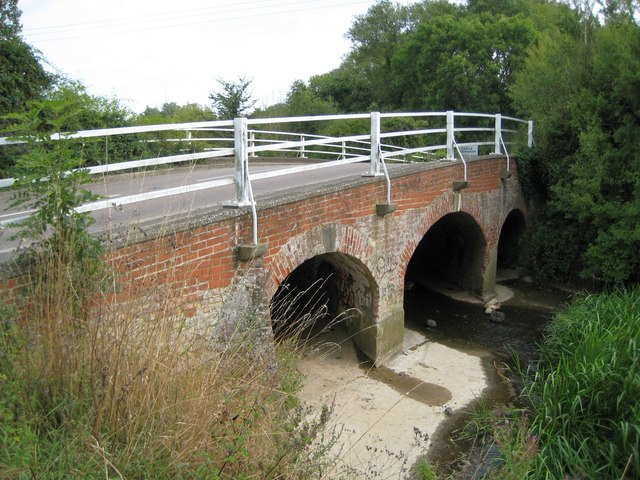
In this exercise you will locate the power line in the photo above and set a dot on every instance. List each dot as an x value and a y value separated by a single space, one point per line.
182 13
127 25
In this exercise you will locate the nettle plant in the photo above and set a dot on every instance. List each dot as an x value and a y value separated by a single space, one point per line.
50 181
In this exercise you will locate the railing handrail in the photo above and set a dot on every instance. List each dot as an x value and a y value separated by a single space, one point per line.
210 124
349 148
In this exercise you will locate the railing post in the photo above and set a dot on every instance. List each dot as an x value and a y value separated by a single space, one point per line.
374 169
301 149
450 135
252 141
241 144
530 134
498 137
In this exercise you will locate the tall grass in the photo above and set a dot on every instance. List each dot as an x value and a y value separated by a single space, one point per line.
586 393
582 419
92 389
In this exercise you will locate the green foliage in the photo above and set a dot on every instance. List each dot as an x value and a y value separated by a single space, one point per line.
10 26
504 447
346 87
173 113
17 434
22 77
92 388
375 36
49 174
233 99
156 144
302 101
585 100
461 62
49 179
83 112
585 392
425 470
498 7
431 55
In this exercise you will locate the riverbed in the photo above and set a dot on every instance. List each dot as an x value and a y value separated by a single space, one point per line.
384 420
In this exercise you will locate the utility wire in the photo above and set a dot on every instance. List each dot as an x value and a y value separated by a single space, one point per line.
173 14
125 25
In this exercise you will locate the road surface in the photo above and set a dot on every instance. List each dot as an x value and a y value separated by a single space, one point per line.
116 186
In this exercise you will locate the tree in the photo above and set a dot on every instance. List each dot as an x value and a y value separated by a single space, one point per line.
10 26
461 62
615 9
374 37
302 101
173 113
233 99
88 112
585 99
498 7
22 77
346 87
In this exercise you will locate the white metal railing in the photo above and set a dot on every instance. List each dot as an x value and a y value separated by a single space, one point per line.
437 131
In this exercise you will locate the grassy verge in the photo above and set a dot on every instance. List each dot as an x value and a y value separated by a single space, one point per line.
90 388
586 393
582 415
131 391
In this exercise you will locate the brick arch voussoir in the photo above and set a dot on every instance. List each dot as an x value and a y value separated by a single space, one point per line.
323 239
519 205
431 214
435 212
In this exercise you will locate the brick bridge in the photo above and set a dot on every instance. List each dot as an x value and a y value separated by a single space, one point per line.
334 240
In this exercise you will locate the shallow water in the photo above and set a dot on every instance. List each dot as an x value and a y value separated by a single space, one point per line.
391 415
465 327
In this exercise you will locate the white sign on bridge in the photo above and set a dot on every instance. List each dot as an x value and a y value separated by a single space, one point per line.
469 149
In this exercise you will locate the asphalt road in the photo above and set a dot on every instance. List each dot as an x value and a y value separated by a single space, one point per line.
116 186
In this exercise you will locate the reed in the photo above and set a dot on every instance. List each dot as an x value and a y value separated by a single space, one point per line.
585 393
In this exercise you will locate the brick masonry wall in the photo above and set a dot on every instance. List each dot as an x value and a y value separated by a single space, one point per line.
201 261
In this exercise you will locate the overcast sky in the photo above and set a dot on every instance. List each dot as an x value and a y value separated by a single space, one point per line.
147 52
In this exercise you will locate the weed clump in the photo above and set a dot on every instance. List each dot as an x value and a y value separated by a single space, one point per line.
91 387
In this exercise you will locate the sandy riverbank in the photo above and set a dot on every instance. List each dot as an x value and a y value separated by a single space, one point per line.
388 415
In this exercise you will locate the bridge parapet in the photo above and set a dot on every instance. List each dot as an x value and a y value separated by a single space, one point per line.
339 225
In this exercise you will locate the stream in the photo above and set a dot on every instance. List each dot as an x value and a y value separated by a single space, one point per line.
385 419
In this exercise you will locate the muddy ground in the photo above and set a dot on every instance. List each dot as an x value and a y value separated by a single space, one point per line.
386 419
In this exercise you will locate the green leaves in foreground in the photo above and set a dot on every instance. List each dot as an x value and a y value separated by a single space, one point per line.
51 182
586 393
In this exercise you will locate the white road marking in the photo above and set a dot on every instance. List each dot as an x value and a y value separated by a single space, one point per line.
24 212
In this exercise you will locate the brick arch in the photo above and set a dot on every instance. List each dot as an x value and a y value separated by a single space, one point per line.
438 209
473 251
350 290
512 228
326 238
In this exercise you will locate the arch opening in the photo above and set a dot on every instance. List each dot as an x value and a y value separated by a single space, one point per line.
327 291
510 242
451 254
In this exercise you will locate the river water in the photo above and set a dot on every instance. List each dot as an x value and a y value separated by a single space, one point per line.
384 420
